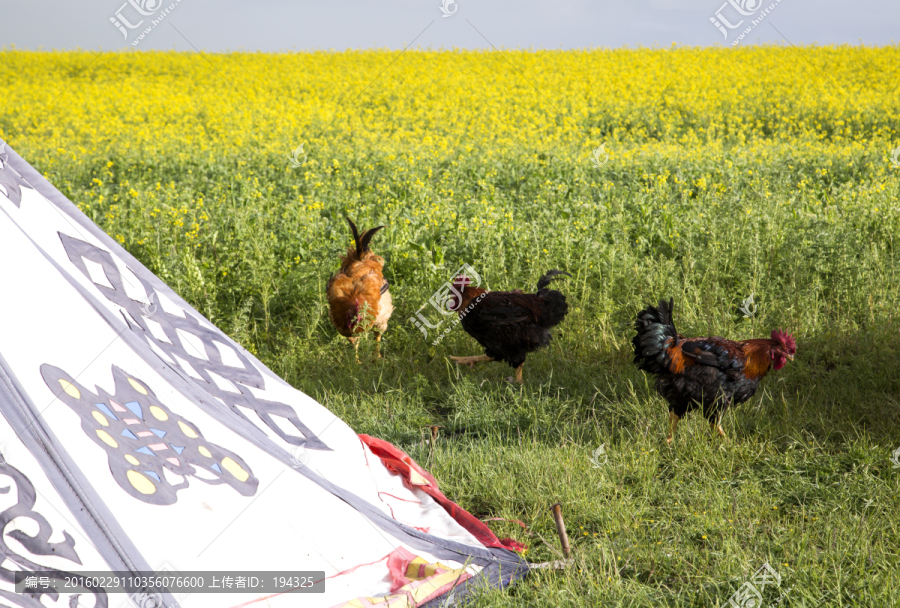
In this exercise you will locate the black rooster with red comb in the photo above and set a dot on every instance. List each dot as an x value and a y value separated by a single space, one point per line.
712 373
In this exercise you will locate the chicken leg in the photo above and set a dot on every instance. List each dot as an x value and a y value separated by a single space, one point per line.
355 343
673 422
716 425
471 361
518 377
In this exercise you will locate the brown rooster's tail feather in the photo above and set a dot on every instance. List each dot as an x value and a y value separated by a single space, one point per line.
355 234
362 240
366 238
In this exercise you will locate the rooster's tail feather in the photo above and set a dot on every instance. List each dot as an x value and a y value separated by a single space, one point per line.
362 240
554 307
544 281
655 334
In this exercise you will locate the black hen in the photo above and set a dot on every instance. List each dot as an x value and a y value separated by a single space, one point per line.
509 324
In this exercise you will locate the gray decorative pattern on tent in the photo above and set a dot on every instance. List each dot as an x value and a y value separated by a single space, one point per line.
501 566
10 180
39 544
142 437
246 375
85 505
413 537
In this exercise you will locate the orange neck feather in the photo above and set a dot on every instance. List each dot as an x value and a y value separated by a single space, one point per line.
469 294
677 358
759 358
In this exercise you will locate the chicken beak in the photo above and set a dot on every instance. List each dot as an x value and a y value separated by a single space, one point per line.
791 357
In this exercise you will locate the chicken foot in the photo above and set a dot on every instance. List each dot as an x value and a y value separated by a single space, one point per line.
355 343
471 361
673 422
518 377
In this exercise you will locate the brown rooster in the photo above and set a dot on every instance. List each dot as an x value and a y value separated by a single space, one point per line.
358 296
713 373
509 324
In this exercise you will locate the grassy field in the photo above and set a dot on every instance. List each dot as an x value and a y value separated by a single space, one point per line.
762 170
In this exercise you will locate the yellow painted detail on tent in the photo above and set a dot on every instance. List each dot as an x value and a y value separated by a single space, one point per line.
137 386
141 483
204 451
188 430
427 579
417 479
419 568
100 418
70 389
131 459
235 469
105 438
432 583
412 570
158 413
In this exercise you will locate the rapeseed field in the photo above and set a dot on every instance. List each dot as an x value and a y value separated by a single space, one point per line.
706 175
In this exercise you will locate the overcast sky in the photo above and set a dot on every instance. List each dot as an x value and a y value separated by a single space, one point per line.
276 25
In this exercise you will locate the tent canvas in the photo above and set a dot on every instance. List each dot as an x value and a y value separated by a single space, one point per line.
137 435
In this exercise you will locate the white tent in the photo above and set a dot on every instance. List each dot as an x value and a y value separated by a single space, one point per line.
137 436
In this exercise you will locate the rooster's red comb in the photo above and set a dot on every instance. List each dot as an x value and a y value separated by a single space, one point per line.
786 339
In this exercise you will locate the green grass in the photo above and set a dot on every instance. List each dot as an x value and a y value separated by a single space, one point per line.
804 481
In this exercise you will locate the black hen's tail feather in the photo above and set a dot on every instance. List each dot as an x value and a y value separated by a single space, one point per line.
544 281
362 240
554 306
655 328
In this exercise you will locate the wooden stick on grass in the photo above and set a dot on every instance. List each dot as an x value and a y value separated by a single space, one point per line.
561 529
434 435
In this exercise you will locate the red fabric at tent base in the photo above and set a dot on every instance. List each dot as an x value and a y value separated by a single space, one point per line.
399 461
